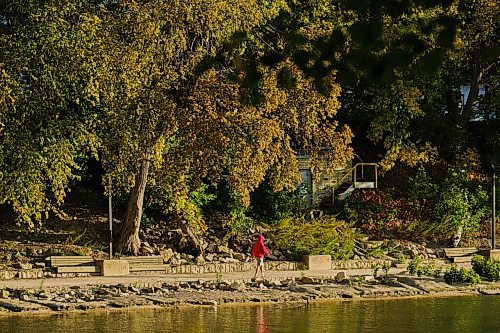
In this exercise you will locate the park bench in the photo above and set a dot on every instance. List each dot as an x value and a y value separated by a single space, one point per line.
146 263
72 264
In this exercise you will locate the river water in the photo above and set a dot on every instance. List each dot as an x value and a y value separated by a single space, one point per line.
478 314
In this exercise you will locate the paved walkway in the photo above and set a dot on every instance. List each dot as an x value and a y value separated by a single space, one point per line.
102 280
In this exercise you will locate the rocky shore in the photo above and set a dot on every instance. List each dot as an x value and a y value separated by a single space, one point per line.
216 292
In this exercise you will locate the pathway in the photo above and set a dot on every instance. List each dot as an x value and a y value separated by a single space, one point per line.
151 278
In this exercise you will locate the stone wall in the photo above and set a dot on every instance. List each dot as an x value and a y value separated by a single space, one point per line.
358 264
367 264
182 269
234 267
217 268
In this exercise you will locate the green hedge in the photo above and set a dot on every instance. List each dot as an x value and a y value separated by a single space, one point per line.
327 235
488 268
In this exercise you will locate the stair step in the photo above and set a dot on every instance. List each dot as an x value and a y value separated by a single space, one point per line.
365 184
77 269
346 193
459 251
461 259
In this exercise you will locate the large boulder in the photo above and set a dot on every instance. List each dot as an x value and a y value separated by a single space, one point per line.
21 265
223 249
146 249
239 256
167 254
4 293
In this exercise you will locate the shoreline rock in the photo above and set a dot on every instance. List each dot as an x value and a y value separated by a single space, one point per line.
225 292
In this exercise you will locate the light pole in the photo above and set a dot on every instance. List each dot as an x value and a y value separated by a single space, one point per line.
110 210
493 212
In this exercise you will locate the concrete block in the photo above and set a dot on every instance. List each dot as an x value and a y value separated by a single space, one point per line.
318 261
113 267
491 254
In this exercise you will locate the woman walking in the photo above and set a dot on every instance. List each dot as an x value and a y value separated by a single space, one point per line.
259 251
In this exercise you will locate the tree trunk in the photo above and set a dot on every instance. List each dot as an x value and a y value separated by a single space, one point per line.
452 103
477 75
194 239
129 241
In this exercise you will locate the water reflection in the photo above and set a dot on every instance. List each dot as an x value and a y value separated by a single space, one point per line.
260 322
459 314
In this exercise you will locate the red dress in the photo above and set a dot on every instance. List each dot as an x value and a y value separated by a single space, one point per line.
259 249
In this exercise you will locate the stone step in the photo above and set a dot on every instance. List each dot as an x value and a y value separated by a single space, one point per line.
57 261
459 251
456 260
146 260
77 269
365 185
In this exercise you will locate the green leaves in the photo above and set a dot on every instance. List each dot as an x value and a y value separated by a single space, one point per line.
298 237
45 54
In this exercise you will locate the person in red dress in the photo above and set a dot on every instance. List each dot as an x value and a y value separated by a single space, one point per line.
259 251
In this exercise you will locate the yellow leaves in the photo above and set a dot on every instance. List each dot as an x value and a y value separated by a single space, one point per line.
254 141
409 154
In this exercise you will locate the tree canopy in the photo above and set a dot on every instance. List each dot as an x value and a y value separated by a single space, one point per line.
170 95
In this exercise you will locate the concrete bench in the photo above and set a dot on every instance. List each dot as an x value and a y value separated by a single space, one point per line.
58 261
147 263
459 251
72 264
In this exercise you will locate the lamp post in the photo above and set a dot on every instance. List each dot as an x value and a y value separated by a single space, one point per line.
110 213
493 212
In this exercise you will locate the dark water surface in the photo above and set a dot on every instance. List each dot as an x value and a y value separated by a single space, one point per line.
478 314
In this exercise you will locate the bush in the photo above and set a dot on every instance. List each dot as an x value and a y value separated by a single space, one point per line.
492 270
421 186
415 268
478 263
487 268
422 208
298 236
462 275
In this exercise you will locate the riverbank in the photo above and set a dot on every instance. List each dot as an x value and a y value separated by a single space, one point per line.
46 296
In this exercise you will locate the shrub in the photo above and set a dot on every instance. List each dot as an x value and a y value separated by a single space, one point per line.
421 186
478 263
492 270
375 268
420 207
385 267
462 275
401 258
462 208
414 266
426 270
327 235
487 268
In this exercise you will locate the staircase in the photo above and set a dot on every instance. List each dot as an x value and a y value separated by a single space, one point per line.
360 176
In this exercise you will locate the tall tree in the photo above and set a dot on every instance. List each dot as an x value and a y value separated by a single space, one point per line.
374 49
148 71
46 97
